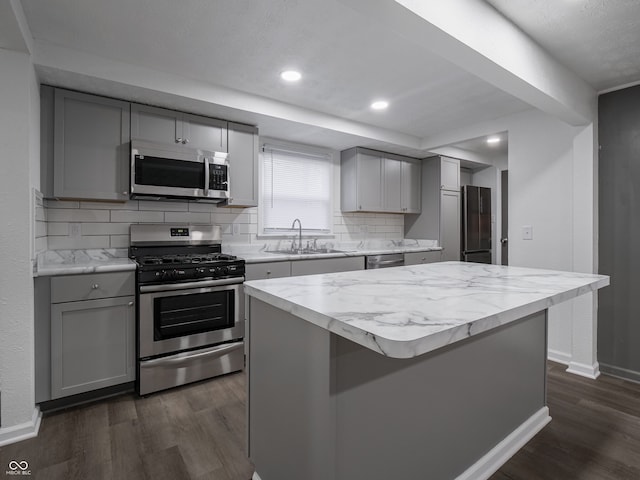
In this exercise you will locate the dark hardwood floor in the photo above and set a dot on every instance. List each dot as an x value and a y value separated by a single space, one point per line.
198 432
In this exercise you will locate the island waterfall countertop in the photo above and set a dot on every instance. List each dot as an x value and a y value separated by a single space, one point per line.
404 312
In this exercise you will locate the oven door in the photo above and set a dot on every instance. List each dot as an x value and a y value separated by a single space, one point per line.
183 316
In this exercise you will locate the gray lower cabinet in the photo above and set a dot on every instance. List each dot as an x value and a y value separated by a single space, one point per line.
263 271
417 258
162 125
326 265
84 333
243 165
89 135
92 345
450 211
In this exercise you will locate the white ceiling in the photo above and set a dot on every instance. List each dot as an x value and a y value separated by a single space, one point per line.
597 39
346 61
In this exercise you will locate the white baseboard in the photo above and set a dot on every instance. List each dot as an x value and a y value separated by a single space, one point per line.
498 455
22 431
618 372
559 357
584 370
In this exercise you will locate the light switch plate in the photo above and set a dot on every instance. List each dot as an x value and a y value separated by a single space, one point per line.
527 232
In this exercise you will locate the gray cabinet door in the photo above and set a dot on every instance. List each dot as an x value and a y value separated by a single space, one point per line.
91 147
411 186
417 258
263 271
155 124
243 165
326 265
392 185
450 174
92 345
204 133
369 183
450 225
161 125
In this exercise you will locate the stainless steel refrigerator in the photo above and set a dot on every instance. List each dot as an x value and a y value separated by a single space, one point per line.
476 224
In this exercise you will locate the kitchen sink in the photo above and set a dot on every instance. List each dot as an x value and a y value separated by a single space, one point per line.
306 252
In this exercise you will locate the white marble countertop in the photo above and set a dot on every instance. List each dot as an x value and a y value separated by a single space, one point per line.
403 312
70 262
264 253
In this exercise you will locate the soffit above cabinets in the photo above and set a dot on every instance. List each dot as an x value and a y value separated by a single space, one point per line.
237 50
597 39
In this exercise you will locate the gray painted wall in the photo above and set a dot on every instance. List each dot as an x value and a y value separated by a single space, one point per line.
619 231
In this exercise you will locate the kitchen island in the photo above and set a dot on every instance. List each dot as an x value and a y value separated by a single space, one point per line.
429 371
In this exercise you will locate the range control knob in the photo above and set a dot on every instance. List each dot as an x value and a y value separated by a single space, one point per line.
223 270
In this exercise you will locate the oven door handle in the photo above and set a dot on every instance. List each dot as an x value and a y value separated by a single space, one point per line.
188 357
186 285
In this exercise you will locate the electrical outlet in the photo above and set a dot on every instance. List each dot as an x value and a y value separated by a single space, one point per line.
527 232
75 230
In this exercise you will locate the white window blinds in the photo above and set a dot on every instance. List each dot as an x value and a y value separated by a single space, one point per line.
296 184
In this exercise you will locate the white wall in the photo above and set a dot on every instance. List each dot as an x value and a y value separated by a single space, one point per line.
19 152
542 182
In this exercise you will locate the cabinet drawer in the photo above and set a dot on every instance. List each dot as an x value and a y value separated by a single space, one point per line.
261 271
416 258
90 286
326 265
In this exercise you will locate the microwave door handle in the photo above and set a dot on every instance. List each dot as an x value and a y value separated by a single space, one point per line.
206 177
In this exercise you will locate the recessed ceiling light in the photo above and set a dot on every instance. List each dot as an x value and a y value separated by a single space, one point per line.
493 140
379 105
291 75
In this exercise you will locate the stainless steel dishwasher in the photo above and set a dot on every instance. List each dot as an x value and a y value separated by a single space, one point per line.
384 261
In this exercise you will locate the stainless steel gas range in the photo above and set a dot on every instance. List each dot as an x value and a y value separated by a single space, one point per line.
190 308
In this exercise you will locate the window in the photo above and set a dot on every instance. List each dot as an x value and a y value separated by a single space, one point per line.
296 183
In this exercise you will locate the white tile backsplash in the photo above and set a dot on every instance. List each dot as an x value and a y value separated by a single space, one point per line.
187 217
76 215
130 216
106 224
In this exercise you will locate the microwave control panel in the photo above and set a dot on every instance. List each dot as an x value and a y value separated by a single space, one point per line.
218 177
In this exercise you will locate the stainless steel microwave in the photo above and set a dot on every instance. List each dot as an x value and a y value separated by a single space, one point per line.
164 171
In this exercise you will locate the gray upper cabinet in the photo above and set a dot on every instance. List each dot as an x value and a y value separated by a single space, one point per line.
392 198
411 186
449 174
243 165
90 146
361 180
168 126
379 182
439 217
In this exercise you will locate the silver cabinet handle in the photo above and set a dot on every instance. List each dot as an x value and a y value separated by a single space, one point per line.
179 140
131 304
125 193
268 272
185 141
95 286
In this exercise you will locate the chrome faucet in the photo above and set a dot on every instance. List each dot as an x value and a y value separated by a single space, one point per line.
293 225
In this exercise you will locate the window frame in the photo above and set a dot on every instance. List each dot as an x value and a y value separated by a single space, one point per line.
309 150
